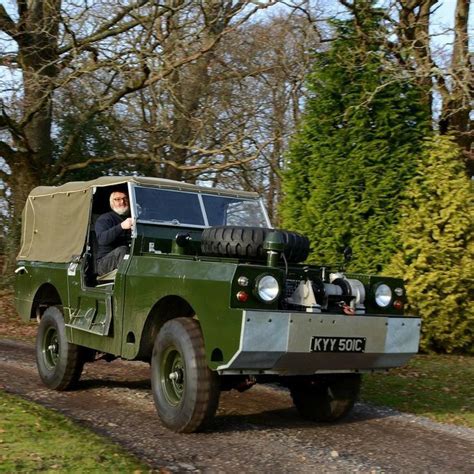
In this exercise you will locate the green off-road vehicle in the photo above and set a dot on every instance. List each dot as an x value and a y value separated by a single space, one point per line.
209 294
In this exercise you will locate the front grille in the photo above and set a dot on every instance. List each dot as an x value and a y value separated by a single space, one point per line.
290 288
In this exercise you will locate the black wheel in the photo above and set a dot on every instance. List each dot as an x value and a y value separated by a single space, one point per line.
326 398
185 391
247 242
59 362
297 246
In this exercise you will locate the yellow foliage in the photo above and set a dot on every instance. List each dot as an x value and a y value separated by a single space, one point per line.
437 248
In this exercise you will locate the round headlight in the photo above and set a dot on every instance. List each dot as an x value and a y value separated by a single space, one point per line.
383 295
268 288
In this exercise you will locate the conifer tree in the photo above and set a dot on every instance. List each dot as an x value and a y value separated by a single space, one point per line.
437 238
356 148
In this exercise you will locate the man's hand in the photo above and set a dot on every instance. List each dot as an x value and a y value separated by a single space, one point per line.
127 223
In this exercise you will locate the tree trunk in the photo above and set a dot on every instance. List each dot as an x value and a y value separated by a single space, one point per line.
22 180
38 53
189 86
414 23
456 108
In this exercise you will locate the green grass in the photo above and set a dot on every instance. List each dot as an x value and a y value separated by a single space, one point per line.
439 387
33 438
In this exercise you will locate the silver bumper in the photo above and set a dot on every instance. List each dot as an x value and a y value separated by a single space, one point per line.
280 343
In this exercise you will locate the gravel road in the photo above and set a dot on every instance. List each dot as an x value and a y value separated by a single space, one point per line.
254 432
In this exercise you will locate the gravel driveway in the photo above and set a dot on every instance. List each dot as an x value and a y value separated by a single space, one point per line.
254 432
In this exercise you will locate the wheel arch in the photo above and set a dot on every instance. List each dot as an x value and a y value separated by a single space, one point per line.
46 295
167 308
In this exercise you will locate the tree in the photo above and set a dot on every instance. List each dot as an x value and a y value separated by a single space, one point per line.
227 122
356 148
456 117
444 73
450 82
437 248
58 45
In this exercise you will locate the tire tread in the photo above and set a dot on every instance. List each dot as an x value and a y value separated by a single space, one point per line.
68 371
196 417
247 242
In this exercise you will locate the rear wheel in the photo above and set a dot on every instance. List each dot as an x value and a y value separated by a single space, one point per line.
185 391
326 398
59 362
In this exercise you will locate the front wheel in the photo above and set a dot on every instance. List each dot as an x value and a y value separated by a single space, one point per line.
59 362
326 397
185 391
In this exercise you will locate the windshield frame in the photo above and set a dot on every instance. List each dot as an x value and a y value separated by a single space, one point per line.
200 194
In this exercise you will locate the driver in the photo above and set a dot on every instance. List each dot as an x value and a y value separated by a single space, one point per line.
113 231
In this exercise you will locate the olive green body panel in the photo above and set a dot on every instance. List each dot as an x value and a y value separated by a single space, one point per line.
79 304
107 318
113 318
204 285
95 314
31 277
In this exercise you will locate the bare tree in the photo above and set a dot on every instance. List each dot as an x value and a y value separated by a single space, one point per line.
226 118
107 49
450 83
458 100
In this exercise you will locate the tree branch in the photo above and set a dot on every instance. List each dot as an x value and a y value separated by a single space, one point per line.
7 152
106 30
209 166
7 25
13 127
4 176
147 79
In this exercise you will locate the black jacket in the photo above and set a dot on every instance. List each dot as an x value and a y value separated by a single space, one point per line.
110 234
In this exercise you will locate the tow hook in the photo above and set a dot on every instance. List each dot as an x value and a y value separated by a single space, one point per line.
246 384
347 309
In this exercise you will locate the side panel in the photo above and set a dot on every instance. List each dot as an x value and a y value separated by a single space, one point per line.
204 285
96 314
30 276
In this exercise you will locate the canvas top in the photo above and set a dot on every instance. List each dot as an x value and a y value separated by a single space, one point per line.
84 186
56 218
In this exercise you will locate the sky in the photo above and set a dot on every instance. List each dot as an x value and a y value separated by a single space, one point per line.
443 22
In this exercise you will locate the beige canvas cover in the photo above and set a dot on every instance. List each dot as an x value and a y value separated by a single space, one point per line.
55 218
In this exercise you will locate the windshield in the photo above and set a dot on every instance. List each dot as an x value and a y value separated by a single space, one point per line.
222 210
171 207
192 209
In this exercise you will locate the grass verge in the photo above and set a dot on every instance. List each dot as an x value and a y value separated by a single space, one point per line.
33 439
440 387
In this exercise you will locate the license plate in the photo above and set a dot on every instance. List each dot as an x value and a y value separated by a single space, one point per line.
337 344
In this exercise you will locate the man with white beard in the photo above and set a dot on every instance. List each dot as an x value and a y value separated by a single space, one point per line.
113 231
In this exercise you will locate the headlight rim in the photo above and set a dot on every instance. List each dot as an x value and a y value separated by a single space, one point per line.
378 296
258 280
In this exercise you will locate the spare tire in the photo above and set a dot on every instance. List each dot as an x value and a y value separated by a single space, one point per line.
247 242
297 246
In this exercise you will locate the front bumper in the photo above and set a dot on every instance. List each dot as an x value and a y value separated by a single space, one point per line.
274 342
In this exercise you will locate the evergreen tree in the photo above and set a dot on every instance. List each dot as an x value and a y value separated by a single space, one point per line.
356 148
437 254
